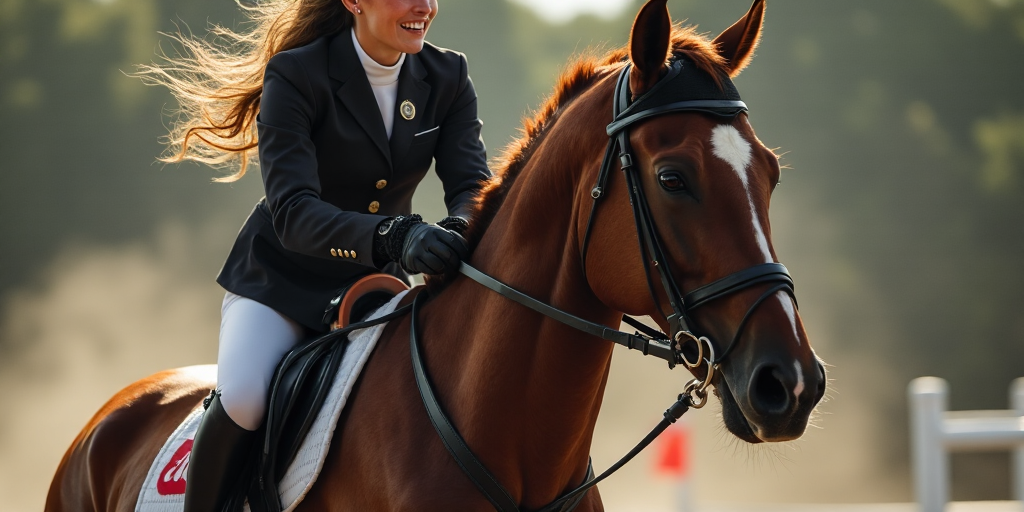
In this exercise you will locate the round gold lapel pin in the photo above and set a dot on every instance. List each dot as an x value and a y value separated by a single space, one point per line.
408 110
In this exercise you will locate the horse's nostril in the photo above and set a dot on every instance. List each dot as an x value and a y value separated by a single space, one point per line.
768 394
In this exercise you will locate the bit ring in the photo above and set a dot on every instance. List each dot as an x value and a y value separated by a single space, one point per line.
700 348
712 367
697 396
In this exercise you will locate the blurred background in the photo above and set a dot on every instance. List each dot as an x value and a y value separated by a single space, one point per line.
901 217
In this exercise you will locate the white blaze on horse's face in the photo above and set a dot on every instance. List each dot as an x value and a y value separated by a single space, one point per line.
729 145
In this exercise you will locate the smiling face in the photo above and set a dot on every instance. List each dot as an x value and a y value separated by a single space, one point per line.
388 28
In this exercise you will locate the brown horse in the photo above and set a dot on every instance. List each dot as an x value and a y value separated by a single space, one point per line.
525 390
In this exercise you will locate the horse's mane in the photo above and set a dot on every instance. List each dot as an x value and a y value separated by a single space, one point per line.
580 74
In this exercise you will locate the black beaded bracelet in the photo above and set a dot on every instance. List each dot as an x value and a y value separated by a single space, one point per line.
387 245
454 223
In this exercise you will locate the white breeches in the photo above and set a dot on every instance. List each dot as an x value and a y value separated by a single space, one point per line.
253 340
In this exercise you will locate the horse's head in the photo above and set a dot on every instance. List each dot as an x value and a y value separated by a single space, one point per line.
708 181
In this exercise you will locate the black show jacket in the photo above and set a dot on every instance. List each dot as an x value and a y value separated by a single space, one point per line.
325 157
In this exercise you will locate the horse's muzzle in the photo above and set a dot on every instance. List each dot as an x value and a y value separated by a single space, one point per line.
775 401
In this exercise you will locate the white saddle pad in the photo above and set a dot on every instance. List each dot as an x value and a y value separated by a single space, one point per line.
164 488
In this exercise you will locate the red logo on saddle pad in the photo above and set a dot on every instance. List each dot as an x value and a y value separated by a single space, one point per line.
172 477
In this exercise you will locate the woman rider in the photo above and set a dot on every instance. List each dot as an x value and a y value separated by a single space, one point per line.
352 107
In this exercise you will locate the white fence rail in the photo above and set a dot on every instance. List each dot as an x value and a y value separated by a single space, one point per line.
935 432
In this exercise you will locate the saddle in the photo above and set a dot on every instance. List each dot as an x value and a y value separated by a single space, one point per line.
300 386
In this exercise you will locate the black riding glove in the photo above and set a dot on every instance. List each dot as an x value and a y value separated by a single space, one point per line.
432 250
418 247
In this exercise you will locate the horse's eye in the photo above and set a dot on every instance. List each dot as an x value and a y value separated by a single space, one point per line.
671 181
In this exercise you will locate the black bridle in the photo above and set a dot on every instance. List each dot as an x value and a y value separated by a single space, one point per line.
651 248
650 341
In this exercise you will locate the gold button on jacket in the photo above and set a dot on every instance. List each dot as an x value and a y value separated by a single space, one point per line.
381 184
374 206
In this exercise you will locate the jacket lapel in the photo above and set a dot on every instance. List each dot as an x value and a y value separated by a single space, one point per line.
411 88
355 91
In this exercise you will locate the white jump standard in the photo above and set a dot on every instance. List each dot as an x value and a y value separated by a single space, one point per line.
934 432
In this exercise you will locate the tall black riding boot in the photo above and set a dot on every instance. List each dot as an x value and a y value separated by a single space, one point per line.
219 454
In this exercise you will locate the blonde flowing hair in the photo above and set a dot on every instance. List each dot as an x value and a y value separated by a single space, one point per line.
218 81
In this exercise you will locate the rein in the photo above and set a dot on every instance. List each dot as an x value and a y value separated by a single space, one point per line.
474 469
672 349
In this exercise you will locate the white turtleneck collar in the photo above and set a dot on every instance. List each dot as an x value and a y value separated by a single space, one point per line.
377 73
384 82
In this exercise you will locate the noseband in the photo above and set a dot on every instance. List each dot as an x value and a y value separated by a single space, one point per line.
683 89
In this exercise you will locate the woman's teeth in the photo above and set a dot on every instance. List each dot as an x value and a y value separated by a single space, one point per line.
415 25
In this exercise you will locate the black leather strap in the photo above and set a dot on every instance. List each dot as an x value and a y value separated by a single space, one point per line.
648 233
725 108
659 348
571 504
649 246
475 470
731 283
647 330
596 193
782 287
673 413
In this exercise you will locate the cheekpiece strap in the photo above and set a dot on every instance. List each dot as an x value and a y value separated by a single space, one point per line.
650 246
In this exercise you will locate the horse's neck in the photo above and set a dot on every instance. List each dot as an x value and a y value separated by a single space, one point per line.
524 389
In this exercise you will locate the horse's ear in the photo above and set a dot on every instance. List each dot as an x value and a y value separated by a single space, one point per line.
649 45
738 42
